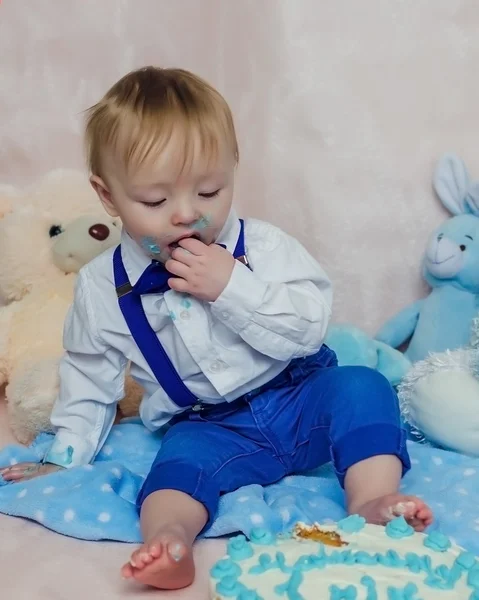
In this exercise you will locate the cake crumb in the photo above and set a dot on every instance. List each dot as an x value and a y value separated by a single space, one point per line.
316 534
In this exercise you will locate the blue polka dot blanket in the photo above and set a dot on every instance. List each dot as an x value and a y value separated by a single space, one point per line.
97 502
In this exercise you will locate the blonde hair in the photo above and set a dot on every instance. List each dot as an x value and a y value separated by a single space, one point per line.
140 113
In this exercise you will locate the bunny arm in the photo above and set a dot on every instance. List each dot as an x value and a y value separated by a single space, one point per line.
6 317
391 363
400 328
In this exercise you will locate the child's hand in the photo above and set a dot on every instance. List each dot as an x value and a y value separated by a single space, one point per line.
27 470
202 271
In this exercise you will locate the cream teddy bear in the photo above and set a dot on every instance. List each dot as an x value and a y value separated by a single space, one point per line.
47 233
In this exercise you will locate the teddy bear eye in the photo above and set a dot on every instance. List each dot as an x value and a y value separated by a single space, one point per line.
55 230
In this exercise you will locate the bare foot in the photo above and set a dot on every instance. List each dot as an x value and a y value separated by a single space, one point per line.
164 562
385 508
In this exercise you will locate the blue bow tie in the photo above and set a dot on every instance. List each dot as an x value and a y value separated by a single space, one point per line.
154 279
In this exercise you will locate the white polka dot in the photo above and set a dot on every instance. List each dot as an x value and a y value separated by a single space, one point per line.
437 460
440 504
138 524
48 490
106 487
256 519
118 433
116 472
13 461
288 480
427 479
104 517
39 516
328 521
69 515
107 450
22 494
458 514
476 521
476 527
463 492
243 499
313 504
414 461
469 472
88 467
285 514
78 485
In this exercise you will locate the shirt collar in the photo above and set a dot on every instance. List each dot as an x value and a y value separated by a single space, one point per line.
136 261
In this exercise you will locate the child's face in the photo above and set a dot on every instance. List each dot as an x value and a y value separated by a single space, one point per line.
163 203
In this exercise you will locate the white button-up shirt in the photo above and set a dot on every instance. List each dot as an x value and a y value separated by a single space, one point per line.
263 319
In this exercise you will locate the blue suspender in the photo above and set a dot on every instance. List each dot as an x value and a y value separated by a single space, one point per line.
146 338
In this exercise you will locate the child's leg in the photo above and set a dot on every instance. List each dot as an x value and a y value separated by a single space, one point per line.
170 523
351 414
197 462
372 486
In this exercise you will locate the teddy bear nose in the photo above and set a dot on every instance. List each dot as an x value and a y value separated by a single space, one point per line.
99 232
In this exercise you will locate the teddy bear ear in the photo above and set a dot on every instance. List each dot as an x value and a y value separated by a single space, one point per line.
451 182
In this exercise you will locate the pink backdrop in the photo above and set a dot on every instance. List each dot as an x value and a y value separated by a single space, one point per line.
341 113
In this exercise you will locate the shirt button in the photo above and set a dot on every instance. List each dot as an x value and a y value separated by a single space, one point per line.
184 315
217 366
225 315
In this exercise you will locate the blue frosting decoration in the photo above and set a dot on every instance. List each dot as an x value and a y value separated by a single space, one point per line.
239 548
347 593
407 593
291 587
262 537
437 541
225 568
249 595
229 587
352 524
473 577
399 528
370 585
465 560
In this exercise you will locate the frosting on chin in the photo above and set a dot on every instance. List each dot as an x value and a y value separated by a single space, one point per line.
350 560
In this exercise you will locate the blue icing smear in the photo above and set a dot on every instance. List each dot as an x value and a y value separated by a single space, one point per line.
61 459
352 524
473 577
262 537
399 528
437 541
202 223
348 593
186 302
225 568
150 244
239 549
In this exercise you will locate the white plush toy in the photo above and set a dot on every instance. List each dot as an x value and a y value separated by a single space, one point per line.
47 233
439 398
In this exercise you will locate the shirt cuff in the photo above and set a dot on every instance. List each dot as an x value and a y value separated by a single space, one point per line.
240 299
69 450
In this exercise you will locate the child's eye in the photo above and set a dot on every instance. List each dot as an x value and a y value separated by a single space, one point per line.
154 204
210 194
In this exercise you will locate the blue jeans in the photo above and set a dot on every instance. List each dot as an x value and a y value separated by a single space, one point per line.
312 413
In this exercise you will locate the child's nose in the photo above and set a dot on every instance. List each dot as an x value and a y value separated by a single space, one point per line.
185 214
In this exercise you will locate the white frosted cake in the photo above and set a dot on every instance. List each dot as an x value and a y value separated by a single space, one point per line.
350 560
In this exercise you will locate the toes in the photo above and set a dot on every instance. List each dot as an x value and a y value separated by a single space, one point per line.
136 559
155 549
127 571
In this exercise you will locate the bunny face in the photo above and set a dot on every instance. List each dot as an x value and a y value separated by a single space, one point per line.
452 254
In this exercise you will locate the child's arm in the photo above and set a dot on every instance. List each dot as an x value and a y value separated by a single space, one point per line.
282 307
92 376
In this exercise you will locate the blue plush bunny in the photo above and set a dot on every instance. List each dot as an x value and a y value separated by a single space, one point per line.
443 320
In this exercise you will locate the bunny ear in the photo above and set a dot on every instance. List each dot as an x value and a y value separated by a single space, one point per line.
472 198
451 182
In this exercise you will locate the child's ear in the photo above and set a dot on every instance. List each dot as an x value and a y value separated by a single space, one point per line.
451 182
104 194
